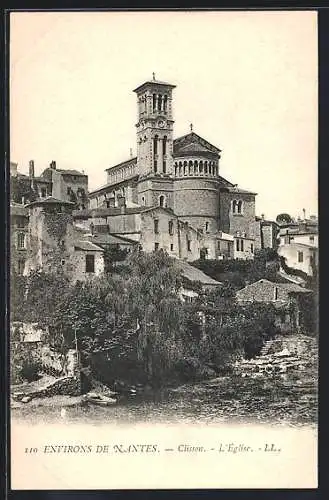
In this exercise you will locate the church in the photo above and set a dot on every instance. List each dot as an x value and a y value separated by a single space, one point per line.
171 195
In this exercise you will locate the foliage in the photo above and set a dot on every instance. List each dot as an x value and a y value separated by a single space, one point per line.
132 325
284 219
20 187
112 255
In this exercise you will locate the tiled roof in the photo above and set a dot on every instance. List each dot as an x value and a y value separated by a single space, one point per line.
123 163
87 246
111 239
193 147
70 172
156 82
104 212
194 274
293 288
236 189
50 200
192 138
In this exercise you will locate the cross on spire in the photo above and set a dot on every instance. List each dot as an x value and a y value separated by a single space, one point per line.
153 75
191 127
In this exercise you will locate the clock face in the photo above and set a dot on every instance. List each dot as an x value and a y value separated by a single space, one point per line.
161 123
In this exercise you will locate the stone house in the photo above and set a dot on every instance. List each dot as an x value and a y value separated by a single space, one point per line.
55 244
18 236
290 300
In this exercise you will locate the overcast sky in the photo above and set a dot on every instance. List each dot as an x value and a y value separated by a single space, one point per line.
246 80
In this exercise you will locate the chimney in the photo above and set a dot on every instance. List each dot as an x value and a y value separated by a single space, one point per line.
53 164
262 216
31 169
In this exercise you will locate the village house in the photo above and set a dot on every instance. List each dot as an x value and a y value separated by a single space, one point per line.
55 244
19 220
290 300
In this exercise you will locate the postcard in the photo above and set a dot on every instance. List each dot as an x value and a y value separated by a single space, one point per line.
164 249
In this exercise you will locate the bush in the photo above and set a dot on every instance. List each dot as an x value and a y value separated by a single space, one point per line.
30 370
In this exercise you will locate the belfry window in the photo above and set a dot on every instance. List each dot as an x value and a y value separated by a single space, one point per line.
154 102
239 207
164 166
155 164
164 145
159 102
162 201
165 103
155 145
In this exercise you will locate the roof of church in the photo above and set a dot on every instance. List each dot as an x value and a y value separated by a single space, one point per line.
156 82
193 142
123 163
236 189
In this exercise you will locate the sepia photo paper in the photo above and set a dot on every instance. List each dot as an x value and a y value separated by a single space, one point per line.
163 249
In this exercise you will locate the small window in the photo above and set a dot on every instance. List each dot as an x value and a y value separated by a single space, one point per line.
275 293
171 227
20 222
238 245
21 240
162 201
90 263
300 257
156 226
156 246
62 262
43 192
218 245
242 245
189 246
239 206
143 200
252 248
207 226
171 247
311 239
20 266
68 190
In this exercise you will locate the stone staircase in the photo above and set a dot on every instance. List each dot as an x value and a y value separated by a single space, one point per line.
281 355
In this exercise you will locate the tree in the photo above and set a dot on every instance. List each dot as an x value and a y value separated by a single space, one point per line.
284 219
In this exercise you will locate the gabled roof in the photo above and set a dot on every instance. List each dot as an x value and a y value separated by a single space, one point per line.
50 200
87 246
193 142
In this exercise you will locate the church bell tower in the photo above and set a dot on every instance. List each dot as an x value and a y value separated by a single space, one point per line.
154 128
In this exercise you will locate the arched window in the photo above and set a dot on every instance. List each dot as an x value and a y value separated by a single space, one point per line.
185 167
143 200
155 145
190 167
180 169
162 201
239 205
207 226
234 206
206 168
176 168
195 167
159 102
164 145
154 102
165 103
201 167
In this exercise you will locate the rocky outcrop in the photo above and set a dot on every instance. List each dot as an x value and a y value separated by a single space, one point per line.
70 386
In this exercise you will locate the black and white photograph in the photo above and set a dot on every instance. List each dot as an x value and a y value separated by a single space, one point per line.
163 249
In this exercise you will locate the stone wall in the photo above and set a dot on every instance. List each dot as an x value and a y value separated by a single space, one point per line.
233 223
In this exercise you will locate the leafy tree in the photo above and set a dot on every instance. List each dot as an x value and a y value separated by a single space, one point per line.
284 219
